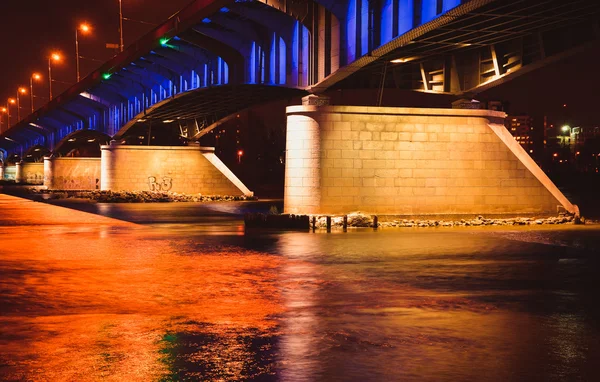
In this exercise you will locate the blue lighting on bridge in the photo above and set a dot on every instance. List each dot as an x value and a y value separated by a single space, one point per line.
224 9
206 20
282 61
351 20
387 32
405 16
364 27
449 4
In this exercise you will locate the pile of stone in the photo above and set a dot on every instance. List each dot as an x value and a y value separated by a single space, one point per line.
361 220
139 196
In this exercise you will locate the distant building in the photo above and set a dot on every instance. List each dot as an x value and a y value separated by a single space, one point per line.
521 127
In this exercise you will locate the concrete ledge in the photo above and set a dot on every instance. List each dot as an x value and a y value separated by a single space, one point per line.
115 146
54 159
395 111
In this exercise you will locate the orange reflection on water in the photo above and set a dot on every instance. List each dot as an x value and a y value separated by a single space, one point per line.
83 302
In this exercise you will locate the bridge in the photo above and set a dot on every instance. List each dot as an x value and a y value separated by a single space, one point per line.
217 57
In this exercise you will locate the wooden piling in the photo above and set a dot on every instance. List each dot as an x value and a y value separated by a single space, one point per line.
314 223
345 223
375 222
328 223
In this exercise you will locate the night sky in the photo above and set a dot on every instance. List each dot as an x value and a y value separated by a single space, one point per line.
34 28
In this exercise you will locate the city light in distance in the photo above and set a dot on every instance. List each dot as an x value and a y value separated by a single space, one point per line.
565 128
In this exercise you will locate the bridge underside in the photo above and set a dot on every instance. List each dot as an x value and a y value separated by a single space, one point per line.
198 111
464 52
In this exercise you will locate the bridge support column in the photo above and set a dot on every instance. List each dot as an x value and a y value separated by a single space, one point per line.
409 161
2 172
10 172
29 173
185 169
71 173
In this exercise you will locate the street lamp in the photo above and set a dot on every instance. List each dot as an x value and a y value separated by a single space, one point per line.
3 110
20 91
10 101
53 57
121 24
37 77
84 28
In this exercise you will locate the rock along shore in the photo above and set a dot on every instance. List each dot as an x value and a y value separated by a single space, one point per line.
362 220
137 196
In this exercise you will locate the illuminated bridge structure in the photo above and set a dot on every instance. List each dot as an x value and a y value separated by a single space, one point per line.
217 57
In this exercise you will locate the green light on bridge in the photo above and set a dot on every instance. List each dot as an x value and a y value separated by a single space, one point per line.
106 76
164 42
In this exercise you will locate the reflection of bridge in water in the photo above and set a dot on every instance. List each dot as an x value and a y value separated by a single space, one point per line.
217 57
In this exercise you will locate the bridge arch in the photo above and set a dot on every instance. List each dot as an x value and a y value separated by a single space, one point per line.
36 154
81 143
198 109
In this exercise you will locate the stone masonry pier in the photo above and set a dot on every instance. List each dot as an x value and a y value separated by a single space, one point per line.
185 169
410 161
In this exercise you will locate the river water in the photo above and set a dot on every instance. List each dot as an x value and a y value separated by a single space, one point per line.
185 294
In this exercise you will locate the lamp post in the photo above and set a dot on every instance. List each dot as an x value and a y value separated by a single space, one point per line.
53 57
84 28
121 25
37 77
566 129
10 101
3 110
20 91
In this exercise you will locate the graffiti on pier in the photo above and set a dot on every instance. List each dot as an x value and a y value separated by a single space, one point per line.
165 185
34 178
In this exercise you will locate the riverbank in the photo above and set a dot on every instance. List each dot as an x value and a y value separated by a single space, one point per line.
126 196
359 220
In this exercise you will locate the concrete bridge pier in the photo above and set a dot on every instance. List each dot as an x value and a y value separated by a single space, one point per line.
185 169
29 173
409 161
71 173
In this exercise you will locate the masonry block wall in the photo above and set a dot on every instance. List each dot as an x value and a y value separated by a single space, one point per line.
72 173
10 172
29 173
408 161
186 169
